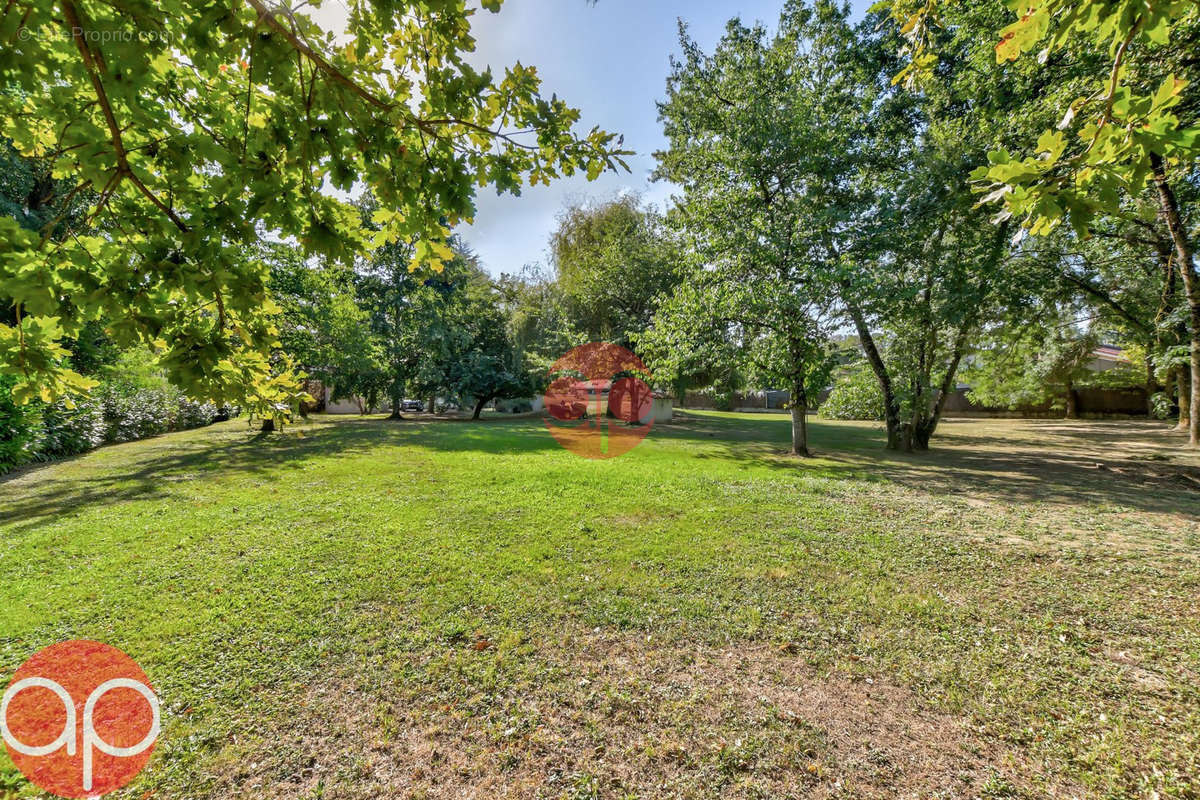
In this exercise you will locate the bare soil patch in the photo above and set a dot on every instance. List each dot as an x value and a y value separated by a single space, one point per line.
611 715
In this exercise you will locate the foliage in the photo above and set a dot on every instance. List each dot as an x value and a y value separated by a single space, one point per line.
1101 148
760 137
1030 365
133 400
464 338
540 325
200 127
68 431
1127 137
19 428
928 268
323 327
37 200
613 261
855 395
1035 363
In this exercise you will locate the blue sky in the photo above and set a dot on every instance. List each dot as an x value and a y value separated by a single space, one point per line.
610 60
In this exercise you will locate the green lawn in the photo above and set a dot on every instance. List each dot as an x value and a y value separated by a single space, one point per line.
359 608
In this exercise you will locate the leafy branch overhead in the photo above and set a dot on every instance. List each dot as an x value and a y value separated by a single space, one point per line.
1106 140
202 128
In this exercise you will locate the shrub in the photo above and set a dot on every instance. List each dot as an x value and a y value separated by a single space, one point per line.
67 431
191 414
722 399
132 412
856 395
20 428
120 410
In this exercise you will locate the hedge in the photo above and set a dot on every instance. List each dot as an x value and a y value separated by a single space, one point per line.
117 411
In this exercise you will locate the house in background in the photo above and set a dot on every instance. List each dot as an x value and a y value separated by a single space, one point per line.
1106 357
346 405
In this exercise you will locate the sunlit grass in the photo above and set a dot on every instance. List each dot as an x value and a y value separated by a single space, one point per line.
1032 598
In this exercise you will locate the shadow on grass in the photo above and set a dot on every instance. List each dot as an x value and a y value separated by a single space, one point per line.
147 468
1017 461
1126 463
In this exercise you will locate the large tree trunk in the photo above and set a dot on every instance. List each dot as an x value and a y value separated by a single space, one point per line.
396 401
799 421
1072 406
268 425
1184 377
1191 287
1152 387
891 405
479 404
924 432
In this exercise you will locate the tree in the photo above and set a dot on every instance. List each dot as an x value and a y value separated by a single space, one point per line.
1023 363
322 327
464 337
761 137
540 325
202 126
1028 365
1123 278
771 332
35 199
613 260
924 267
1128 138
387 291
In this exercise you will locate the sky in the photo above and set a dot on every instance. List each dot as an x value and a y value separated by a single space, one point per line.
610 60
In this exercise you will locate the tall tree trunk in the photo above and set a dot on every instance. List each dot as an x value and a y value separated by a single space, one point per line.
268 425
891 405
396 408
799 421
1184 376
920 410
924 433
432 404
1072 406
1152 387
1191 286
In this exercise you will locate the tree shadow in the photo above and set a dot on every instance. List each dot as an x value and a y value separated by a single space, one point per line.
1138 464
148 468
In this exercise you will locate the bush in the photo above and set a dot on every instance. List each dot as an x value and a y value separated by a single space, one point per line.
191 414
119 410
131 412
67 431
722 399
855 396
20 428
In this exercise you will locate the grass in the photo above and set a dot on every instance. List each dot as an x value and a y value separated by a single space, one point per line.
357 608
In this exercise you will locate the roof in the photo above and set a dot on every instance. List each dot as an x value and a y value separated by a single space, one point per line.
1111 352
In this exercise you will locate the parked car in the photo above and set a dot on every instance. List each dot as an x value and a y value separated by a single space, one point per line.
412 405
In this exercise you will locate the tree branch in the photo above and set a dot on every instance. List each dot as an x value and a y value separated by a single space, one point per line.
71 15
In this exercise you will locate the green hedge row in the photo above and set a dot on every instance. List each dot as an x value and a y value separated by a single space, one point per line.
115 412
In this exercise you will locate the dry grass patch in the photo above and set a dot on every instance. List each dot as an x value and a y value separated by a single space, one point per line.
609 715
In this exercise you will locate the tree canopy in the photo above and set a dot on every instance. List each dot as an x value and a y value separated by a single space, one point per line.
201 128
